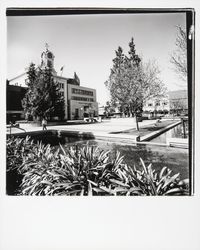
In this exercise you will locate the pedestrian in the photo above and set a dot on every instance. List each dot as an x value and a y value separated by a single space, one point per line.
44 124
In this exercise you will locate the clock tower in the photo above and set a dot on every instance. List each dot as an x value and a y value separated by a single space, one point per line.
47 59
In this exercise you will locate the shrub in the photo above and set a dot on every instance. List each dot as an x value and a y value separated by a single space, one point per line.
85 171
17 151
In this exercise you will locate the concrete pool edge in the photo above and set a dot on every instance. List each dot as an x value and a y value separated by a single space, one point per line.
158 132
116 138
131 141
178 142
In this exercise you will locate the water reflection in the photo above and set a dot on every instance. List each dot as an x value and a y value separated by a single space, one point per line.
173 158
176 132
160 156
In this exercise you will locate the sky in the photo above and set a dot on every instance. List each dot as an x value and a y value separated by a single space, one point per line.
87 43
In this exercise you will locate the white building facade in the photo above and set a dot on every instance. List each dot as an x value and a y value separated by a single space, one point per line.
172 102
80 102
157 106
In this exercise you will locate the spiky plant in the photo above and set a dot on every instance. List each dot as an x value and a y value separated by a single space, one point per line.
89 171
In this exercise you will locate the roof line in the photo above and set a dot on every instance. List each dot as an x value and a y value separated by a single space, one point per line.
17 76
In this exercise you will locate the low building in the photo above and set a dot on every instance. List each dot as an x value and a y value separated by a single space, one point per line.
80 101
157 106
14 110
174 102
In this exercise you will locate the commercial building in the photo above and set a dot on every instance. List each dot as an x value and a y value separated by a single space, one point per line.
173 102
79 101
156 106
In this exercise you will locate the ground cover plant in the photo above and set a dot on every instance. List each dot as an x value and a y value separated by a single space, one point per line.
42 170
160 124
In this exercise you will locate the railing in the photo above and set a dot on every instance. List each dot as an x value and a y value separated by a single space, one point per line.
184 122
14 126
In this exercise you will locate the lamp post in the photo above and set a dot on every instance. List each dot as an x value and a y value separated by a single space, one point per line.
184 128
82 111
90 109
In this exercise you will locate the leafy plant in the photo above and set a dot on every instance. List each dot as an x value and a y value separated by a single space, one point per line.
17 151
86 171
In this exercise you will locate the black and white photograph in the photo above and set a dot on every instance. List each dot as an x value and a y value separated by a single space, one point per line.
99 125
99 102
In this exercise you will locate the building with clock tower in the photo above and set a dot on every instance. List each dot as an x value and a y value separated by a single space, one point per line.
47 59
80 102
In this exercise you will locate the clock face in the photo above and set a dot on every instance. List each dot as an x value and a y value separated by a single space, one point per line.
49 55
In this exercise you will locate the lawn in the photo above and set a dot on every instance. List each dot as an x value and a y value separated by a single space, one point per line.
149 128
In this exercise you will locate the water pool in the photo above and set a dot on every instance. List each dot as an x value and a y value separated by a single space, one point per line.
176 132
174 158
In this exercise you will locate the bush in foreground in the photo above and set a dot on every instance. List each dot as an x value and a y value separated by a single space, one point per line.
85 171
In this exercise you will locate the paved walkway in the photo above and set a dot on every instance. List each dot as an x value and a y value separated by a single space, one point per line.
103 128
106 130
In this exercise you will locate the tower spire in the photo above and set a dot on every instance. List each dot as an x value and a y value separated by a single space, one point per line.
47 59
46 46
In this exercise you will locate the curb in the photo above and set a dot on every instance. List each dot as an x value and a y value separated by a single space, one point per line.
158 132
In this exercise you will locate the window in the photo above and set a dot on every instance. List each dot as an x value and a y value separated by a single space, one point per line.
61 85
82 92
77 98
157 103
165 103
150 104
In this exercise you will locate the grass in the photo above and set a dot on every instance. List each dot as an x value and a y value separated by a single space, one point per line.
148 128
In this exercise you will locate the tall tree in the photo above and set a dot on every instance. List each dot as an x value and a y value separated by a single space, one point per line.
179 55
42 98
132 82
27 102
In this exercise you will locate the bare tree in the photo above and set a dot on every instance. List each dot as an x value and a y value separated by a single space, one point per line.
152 85
179 55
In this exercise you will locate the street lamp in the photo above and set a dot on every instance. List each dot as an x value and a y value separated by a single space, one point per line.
82 108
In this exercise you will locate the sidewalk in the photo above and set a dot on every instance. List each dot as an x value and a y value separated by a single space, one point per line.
120 130
107 128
